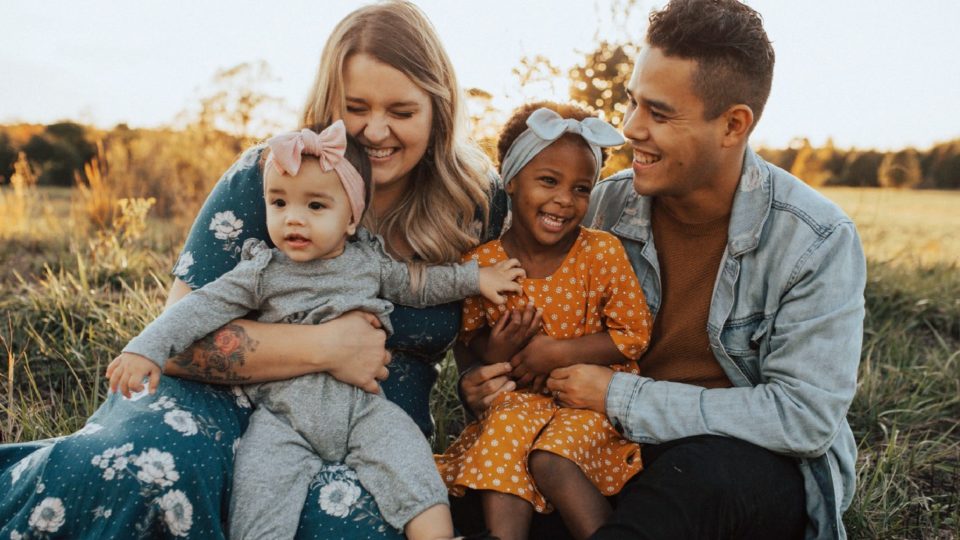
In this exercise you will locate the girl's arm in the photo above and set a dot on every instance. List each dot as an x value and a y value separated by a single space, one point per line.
350 348
543 354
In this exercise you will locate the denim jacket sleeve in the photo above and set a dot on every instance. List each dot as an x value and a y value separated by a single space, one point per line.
807 365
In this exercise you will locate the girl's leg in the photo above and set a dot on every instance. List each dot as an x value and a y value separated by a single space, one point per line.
581 505
507 516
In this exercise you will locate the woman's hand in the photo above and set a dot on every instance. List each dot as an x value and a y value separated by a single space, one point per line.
480 385
499 279
581 386
357 340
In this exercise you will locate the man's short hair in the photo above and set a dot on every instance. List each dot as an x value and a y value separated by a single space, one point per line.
726 39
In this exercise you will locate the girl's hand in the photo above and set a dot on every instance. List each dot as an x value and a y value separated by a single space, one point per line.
537 359
356 337
512 333
127 372
582 386
480 385
499 279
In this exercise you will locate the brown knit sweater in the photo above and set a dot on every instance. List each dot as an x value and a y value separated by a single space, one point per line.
689 256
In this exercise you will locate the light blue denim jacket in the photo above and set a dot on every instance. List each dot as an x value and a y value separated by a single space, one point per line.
785 324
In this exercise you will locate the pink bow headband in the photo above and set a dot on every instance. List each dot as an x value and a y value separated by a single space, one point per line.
287 149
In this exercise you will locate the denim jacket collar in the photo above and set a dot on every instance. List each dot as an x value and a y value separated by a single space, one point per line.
751 206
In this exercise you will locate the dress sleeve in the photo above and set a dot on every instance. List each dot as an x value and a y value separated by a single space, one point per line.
624 308
233 212
474 307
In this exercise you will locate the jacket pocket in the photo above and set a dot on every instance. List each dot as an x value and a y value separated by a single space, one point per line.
742 340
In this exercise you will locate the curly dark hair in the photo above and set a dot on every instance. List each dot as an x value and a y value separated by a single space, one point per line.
517 124
727 40
356 156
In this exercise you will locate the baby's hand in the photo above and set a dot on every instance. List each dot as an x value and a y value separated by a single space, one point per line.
499 279
127 372
512 333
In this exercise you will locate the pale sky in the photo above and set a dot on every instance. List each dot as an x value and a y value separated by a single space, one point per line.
879 73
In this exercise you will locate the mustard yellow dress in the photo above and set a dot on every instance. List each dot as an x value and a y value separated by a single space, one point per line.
593 290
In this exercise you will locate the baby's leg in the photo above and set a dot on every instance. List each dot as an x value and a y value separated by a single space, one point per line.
581 505
394 462
272 474
506 516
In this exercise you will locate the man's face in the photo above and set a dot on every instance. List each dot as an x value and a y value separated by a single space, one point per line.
675 151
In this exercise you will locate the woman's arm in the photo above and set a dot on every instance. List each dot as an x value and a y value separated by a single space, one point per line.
350 348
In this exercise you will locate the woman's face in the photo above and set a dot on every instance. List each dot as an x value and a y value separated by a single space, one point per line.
390 116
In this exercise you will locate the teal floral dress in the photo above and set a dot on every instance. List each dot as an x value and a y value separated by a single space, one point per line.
161 466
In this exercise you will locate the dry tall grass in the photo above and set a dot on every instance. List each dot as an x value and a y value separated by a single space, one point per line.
80 299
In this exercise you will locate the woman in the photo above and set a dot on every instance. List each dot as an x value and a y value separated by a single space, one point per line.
385 74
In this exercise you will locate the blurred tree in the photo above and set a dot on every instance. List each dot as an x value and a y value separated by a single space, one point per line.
59 152
8 156
860 168
817 166
599 83
941 166
900 169
238 104
485 120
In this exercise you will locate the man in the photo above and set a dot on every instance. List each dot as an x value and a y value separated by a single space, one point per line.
756 284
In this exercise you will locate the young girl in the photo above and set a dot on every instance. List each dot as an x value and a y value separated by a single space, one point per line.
525 453
313 275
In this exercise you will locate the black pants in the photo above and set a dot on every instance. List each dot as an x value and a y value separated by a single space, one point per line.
698 487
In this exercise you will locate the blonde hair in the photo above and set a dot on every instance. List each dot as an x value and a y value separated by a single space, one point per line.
452 180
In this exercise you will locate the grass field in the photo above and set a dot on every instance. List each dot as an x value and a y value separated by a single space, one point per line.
71 296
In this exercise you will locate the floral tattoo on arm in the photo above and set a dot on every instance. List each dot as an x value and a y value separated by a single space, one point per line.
216 357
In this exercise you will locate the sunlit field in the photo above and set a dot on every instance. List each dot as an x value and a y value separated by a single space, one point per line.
83 272
904 227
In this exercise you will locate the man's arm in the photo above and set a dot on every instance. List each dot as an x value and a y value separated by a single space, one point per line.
809 374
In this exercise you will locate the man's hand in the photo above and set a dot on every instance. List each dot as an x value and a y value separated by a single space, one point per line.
127 372
512 333
582 386
499 279
482 384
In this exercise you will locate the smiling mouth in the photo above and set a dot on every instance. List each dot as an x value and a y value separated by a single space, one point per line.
643 158
379 153
552 223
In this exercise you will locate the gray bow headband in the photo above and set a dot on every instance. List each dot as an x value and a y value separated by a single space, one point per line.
544 127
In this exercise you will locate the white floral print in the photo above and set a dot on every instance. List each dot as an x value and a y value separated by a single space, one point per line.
242 400
89 429
14 535
163 402
181 421
177 512
183 264
18 469
337 497
156 467
48 516
226 226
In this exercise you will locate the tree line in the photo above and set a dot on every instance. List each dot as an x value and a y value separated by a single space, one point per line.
191 157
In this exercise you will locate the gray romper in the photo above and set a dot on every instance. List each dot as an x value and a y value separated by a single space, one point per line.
315 414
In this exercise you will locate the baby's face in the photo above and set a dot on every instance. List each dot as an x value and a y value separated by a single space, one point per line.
308 215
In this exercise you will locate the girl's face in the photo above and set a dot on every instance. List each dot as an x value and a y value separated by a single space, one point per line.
308 215
550 194
389 115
